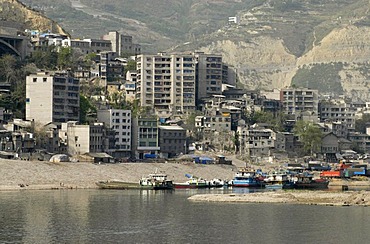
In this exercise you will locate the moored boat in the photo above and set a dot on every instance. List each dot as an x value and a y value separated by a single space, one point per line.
193 182
278 181
306 181
155 181
247 178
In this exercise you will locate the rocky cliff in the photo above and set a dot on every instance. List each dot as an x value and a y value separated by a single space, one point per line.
26 18
305 46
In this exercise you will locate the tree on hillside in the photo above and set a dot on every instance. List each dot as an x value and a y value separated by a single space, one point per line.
44 59
8 64
131 65
360 125
275 120
86 108
310 135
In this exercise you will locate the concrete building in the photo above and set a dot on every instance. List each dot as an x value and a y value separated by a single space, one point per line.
82 139
255 141
172 140
332 144
87 46
338 111
52 97
122 44
360 141
210 75
130 85
217 120
120 121
337 128
145 137
297 100
166 82
110 70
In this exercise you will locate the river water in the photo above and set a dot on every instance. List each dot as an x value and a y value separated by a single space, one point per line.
129 216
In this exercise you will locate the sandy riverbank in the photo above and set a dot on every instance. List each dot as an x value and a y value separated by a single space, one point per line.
17 174
327 198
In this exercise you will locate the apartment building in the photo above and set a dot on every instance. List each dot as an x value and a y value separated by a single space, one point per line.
172 140
256 141
338 110
118 120
145 137
210 74
52 97
122 44
298 100
166 82
110 70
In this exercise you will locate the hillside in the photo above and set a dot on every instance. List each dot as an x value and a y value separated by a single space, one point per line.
27 18
321 44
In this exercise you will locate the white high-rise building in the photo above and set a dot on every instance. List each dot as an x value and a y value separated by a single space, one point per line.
52 97
166 82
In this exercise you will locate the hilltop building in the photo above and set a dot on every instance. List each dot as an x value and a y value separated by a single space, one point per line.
122 44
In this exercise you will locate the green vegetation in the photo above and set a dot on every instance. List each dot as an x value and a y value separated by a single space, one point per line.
323 77
86 109
361 124
13 72
310 136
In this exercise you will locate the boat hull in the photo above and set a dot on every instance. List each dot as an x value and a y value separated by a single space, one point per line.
249 182
312 185
118 185
190 186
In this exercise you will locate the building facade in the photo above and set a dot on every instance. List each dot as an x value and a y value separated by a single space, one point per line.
298 100
52 97
338 111
122 44
172 140
82 139
166 82
145 137
118 120
210 74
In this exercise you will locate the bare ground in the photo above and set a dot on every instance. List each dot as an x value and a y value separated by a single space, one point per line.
326 198
17 174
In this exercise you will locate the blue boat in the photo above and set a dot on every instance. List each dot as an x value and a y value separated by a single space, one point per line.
247 178
278 181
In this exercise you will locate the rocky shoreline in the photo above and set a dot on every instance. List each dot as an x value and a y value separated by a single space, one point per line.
42 175
325 198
